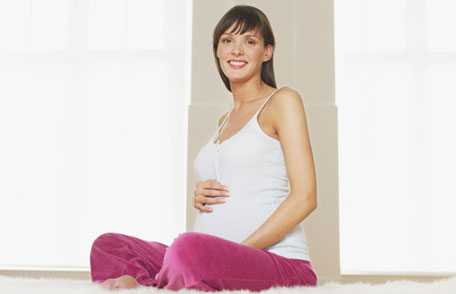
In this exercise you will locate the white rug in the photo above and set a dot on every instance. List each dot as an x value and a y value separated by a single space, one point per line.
20 285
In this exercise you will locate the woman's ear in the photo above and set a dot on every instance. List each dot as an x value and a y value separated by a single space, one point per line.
268 52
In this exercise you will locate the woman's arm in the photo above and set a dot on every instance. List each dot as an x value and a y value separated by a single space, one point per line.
290 122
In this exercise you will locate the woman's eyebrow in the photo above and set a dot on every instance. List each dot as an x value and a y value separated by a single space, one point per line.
248 35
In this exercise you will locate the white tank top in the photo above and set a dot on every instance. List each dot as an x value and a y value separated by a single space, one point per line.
252 165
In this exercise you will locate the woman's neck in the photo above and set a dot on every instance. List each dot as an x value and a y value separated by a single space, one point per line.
246 94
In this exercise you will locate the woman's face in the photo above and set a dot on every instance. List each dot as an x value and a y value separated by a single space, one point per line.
248 49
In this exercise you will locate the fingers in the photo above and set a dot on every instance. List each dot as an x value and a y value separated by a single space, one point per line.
214 184
209 200
209 192
200 202
213 192
211 188
203 208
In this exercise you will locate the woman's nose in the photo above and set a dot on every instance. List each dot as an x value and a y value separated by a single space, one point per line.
237 48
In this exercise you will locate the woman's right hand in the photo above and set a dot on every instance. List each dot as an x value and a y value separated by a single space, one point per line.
209 192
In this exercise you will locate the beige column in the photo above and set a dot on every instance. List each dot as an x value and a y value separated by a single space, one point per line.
304 60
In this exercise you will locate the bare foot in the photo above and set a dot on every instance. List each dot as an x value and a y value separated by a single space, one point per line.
108 283
122 282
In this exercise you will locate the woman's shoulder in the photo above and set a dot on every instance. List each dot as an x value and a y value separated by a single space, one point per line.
286 90
287 101
282 96
285 94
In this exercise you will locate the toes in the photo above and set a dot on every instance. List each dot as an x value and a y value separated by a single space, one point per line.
125 281
109 283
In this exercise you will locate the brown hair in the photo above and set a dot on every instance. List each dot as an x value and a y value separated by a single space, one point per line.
247 18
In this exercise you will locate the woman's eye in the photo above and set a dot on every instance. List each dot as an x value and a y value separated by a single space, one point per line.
251 42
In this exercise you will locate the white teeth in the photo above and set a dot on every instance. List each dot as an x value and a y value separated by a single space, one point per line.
237 62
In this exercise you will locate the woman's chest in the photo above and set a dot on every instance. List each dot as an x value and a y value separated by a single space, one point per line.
243 154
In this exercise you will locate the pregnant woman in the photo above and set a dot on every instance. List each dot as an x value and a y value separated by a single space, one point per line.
256 184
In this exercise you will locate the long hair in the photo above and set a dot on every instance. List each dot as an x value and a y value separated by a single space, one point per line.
246 18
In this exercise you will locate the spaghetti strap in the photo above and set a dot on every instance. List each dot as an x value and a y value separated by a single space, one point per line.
267 99
219 129
224 120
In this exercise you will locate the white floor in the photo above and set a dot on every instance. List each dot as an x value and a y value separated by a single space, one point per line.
20 285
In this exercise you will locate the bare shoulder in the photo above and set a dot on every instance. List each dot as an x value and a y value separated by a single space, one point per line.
287 93
286 106
285 99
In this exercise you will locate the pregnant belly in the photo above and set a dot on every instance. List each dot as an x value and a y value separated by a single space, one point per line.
234 220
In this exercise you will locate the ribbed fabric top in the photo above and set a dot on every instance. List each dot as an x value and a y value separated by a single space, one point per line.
252 165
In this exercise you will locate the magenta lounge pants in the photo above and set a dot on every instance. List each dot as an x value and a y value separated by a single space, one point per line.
196 260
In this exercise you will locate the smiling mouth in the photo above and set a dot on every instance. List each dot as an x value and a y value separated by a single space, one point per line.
236 64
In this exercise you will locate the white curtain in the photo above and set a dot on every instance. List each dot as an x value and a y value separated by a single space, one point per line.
93 120
395 91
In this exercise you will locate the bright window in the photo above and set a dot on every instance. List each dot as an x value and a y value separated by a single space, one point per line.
93 103
395 92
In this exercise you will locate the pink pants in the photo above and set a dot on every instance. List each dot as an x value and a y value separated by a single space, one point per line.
196 261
